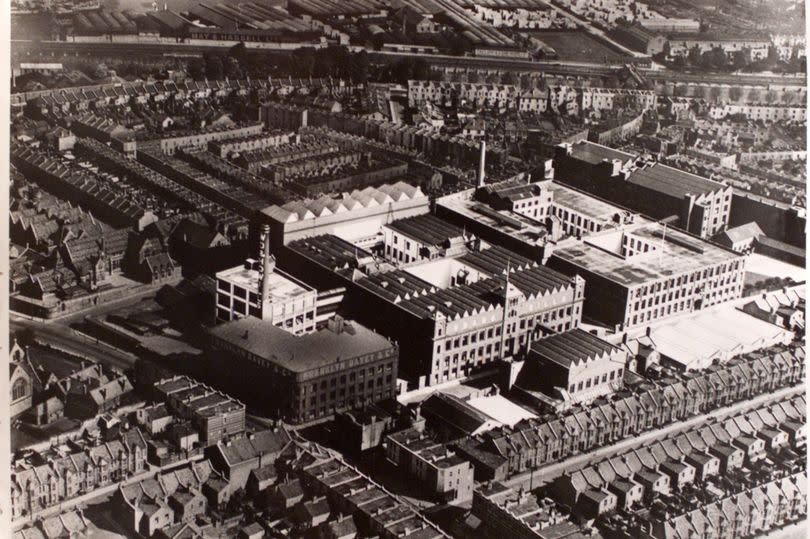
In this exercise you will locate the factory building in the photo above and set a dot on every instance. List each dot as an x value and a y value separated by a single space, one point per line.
702 206
642 272
451 316
260 290
338 367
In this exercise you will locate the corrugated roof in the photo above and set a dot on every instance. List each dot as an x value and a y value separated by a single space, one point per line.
571 347
427 229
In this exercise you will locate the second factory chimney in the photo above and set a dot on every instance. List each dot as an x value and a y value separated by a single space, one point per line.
482 164
267 266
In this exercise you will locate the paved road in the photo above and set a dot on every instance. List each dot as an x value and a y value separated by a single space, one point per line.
792 531
63 337
548 473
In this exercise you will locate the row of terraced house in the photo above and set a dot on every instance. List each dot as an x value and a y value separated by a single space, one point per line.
505 451
78 467
583 98
695 457
101 96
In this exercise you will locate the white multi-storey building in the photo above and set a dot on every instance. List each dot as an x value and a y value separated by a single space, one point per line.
268 294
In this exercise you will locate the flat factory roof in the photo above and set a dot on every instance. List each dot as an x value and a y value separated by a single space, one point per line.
594 154
583 203
282 286
510 223
301 353
674 182
676 253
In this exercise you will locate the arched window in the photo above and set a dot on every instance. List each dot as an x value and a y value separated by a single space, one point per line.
19 389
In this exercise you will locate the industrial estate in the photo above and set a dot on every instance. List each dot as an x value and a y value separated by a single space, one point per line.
338 269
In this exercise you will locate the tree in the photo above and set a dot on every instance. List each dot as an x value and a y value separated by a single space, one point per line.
770 97
249 64
700 92
238 51
694 56
196 68
541 84
612 81
25 336
360 67
302 63
741 58
753 95
214 69
421 70
714 59
735 93
509 78
714 93
772 59
232 69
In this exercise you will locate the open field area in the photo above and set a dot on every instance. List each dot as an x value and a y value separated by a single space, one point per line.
578 46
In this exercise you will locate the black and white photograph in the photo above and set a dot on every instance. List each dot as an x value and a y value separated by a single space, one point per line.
404 269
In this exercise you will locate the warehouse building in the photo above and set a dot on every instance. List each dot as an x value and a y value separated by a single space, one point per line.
422 237
574 366
445 475
339 367
530 217
646 271
355 216
702 206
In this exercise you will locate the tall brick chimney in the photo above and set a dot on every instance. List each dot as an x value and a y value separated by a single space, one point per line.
267 264
482 163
